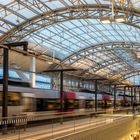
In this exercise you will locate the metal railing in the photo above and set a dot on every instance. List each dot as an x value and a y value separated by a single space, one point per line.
57 125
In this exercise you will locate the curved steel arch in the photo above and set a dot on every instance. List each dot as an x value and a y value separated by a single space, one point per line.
129 75
84 53
101 48
88 11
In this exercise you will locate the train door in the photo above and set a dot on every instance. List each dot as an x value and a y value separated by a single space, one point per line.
40 104
14 103
28 102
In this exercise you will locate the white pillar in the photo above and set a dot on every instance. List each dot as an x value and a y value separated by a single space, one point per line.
33 70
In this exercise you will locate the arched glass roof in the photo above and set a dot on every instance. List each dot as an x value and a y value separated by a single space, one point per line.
68 37
64 29
111 60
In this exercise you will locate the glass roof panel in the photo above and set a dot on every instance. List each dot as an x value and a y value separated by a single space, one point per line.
54 4
5 2
37 6
128 58
14 19
27 13
135 79
71 36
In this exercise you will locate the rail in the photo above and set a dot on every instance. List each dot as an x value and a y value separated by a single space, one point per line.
25 118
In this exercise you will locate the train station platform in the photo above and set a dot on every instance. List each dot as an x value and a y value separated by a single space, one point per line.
101 127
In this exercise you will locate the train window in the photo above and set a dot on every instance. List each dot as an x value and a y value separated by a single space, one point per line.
57 104
89 104
13 99
47 104
51 104
76 104
70 104
28 104
71 101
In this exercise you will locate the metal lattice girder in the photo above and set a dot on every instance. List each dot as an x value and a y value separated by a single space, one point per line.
101 48
50 17
43 17
113 63
106 58
128 75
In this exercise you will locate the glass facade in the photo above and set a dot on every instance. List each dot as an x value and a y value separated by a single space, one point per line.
42 81
12 74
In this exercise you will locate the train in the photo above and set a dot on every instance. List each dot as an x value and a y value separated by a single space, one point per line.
30 100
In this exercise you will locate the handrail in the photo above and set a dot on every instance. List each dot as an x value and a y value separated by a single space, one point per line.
45 115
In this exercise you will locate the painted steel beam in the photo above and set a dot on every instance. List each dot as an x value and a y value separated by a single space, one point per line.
59 70
86 11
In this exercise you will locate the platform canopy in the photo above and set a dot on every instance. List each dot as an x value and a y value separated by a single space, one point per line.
100 37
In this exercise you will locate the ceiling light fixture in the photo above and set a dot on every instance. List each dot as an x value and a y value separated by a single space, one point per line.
106 21
120 19
49 62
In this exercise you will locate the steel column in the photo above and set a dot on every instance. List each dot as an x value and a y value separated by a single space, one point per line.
134 94
96 92
61 91
139 94
5 83
114 97
5 73
5 88
124 94
131 96
33 72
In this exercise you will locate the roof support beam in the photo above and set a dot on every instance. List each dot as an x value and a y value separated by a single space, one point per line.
69 13
59 70
12 11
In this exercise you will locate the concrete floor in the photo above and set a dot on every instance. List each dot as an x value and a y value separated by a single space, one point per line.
115 131
100 128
